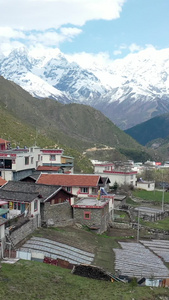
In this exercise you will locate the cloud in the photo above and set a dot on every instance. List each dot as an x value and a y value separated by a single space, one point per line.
12 38
135 48
44 14
90 60
126 49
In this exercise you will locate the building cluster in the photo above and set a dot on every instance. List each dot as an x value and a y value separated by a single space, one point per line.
40 184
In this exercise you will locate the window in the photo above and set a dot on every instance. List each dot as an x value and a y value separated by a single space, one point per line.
15 205
84 190
35 205
27 160
68 189
38 157
87 215
31 160
52 157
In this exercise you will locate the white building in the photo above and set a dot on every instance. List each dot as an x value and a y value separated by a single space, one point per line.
145 185
101 167
55 158
16 164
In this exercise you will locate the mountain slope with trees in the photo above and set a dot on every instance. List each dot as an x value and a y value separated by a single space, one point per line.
74 126
155 128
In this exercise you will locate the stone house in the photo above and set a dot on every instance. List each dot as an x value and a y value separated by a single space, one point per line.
92 213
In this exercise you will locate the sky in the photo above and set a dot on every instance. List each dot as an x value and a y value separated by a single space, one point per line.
100 29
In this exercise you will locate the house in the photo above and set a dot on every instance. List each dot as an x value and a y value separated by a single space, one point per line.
145 185
77 184
20 202
56 158
18 163
118 171
92 213
121 177
49 197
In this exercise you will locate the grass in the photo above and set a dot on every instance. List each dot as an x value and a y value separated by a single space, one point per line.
34 280
161 224
154 196
131 202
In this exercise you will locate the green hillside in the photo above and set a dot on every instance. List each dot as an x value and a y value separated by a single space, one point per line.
157 127
72 126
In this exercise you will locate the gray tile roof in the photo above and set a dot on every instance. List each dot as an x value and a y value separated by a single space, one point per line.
17 196
45 191
35 175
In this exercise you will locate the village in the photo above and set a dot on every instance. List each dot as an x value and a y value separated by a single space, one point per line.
39 189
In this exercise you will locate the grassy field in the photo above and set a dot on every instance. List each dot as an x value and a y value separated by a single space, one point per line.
154 196
28 280
161 224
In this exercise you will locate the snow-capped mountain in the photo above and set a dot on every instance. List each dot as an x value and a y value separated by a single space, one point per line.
128 91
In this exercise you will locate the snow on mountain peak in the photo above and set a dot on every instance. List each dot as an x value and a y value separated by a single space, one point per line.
140 78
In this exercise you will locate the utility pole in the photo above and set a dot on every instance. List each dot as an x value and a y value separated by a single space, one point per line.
138 226
163 192
163 198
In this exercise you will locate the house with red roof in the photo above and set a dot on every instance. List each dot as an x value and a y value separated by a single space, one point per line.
77 184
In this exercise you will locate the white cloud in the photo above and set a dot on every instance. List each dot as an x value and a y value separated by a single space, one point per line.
135 48
8 32
44 14
90 60
10 38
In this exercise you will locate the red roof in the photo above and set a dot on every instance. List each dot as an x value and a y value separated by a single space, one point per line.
2 181
47 168
2 141
69 180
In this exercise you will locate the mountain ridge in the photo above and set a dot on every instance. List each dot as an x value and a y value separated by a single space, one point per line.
128 91
74 126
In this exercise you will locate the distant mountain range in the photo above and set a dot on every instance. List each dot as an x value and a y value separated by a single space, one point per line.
129 91
75 127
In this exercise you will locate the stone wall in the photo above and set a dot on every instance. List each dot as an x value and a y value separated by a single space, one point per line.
150 216
57 214
99 217
121 225
19 234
